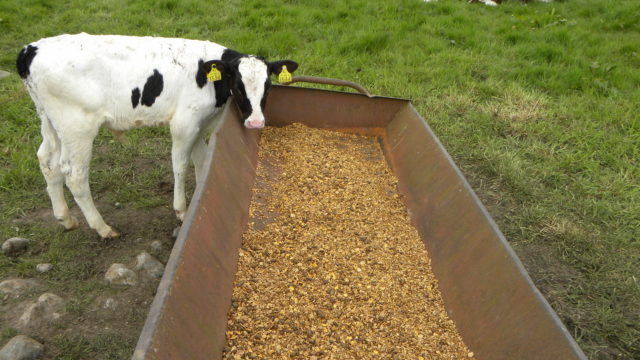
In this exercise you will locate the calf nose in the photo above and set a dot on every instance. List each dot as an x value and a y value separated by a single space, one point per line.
254 124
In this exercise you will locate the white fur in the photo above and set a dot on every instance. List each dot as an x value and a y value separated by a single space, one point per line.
82 82
254 74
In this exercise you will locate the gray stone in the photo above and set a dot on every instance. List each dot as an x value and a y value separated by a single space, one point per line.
120 275
176 231
21 348
47 309
149 265
156 245
109 304
43 268
4 74
15 246
16 287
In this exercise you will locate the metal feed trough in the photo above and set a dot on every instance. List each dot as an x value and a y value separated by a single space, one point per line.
487 292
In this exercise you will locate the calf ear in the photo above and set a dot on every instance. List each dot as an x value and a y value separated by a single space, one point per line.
220 65
276 66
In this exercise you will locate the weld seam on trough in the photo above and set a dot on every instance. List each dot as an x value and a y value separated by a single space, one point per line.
502 240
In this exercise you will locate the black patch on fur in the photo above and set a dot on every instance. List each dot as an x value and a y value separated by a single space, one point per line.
25 57
230 55
222 90
240 95
267 86
135 97
201 75
152 89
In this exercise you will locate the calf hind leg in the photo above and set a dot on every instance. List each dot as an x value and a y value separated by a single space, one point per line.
49 159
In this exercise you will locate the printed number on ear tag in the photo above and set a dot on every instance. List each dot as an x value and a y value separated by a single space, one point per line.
285 75
214 74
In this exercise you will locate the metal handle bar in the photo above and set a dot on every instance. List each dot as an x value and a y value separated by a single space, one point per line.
328 81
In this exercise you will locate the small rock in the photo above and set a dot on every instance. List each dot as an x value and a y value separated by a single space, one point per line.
48 308
16 287
21 348
15 246
176 231
4 74
43 268
121 275
150 265
156 245
109 304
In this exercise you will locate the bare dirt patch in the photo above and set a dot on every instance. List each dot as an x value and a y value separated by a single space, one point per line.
100 321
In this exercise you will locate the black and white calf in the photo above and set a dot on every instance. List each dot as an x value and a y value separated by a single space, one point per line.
82 82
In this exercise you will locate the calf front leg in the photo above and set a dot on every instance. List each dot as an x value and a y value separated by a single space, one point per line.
183 138
198 155
199 149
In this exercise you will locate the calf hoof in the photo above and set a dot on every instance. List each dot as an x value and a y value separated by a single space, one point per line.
70 223
180 215
108 233
112 234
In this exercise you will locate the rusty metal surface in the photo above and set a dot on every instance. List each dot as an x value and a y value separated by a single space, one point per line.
499 312
188 316
330 109
487 292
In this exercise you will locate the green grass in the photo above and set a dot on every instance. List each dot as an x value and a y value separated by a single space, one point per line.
73 347
538 104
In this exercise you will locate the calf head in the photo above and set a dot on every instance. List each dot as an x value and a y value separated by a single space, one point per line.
248 78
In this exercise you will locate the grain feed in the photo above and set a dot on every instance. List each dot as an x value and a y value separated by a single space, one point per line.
331 267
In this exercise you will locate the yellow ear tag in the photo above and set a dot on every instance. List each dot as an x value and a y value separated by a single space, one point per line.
285 75
214 74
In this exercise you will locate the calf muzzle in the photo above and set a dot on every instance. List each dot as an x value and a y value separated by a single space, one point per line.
254 124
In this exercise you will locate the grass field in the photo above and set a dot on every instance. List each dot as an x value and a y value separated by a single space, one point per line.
538 104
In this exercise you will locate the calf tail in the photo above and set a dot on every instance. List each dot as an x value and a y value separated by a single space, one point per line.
25 57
